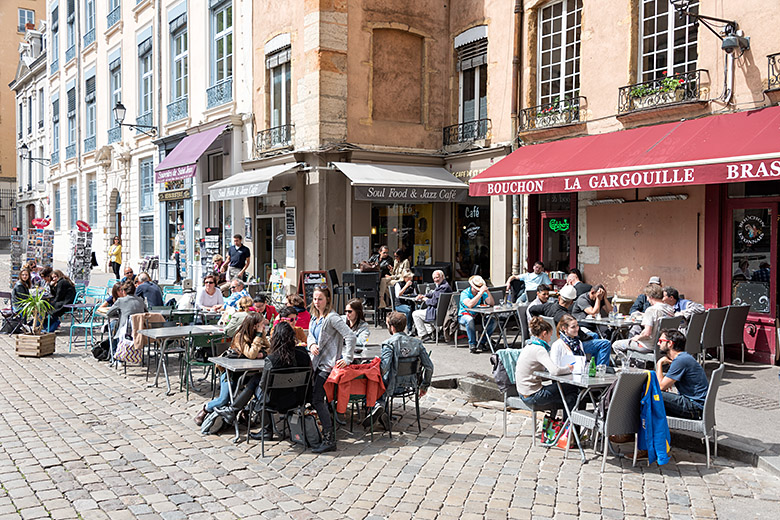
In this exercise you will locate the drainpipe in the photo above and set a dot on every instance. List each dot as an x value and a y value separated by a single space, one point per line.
516 102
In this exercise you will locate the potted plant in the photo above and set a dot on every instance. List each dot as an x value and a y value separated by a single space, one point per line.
556 113
667 90
34 308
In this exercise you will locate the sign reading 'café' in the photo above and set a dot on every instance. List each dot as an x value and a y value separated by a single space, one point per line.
409 194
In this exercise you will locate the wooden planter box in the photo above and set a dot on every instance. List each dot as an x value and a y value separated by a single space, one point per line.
35 346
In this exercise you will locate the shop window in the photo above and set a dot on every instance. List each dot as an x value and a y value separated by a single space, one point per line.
174 211
559 51
555 202
472 254
751 258
740 190
667 40
408 227
397 76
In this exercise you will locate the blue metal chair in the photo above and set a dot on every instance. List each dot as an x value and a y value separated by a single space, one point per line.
171 290
88 323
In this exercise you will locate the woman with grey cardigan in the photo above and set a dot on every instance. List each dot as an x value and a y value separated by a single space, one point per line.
331 344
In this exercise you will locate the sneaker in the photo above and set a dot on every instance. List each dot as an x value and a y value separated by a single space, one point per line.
473 349
427 338
374 415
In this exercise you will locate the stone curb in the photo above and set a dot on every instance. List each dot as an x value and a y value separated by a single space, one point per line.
478 388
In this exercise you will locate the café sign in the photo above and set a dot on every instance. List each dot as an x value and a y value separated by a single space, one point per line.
409 194
166 196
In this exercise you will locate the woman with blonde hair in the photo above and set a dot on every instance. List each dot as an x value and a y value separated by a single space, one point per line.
331 344
233 321
115 256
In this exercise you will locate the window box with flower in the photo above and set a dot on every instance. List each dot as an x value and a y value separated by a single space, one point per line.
669 89
556 113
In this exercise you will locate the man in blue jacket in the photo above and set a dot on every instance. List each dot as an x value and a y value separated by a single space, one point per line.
424 318
146 289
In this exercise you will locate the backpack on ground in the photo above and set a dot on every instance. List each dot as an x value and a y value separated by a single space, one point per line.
309 426
102 351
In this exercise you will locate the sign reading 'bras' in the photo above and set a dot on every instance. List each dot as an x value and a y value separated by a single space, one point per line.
409 194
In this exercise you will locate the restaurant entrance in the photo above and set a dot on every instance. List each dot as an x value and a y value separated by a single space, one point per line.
552 230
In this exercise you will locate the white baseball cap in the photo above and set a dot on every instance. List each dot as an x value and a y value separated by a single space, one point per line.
655 279
568 292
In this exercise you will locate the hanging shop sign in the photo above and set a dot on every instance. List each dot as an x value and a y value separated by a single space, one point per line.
559 226
41 223
167 196
83 226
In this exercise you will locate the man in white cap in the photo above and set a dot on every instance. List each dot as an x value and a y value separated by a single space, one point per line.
642 303
476 294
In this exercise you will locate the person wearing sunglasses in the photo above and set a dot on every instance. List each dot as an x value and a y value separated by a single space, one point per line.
356 321
237 291
684 373
289 315
209 298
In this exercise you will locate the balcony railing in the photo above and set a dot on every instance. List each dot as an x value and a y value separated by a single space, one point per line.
114 134
467 132
177 109
89 37
557 113
19 134
55 66
89 144
55 157
40 123
114 16
143 120
220 93
70 53
276 137
668 90
70 151
774 71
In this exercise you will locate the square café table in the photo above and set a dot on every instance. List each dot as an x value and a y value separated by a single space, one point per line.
587 386
182 331
501 314
241 366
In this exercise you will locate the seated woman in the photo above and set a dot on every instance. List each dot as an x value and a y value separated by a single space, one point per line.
568 342
127 304
35 277
209 298
63 293
296 301
233 321
534 357
21 289
356 321
289 315
283 354
110 299
250 342
405 288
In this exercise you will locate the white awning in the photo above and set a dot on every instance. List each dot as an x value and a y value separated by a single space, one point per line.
471 35
403 183
253 183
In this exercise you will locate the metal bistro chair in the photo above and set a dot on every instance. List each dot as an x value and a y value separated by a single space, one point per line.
190 358
622 414
92 320
411 370
551 321
367 288
693 336
522 319
530 295
733 329
284 382
513 400
711 335
461 285
13 322
441 313
154 348
340 292
706 425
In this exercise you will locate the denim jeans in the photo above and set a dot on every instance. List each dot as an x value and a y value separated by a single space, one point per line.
680 406
467 320
224 394
407 310
598 348
549 398
53 325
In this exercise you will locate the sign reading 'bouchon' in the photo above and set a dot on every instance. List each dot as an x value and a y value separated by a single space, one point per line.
409 194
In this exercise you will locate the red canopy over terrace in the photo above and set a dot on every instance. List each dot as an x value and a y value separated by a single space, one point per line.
735 147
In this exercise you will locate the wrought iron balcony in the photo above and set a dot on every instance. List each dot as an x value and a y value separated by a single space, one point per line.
276 137
143 120
220 93
114 134
40 123
89 144
19 134
70 151
178 109
55 157
467 132
557 113
668 90
55 66
774 71
70 53
114 16
89 37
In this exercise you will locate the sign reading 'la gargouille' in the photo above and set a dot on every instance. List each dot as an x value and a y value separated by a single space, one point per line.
409 194
683 176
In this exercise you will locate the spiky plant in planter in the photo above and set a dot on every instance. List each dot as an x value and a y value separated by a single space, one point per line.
34 308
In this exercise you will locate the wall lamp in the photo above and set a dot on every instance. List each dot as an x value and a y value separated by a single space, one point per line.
666 198
119 116
732 39
24 152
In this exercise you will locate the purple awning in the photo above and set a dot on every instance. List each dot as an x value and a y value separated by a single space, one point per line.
181 162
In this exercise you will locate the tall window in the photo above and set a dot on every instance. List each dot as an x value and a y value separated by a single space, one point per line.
559 51
180 64
55 129
40 166
668 41
146 230
115 84
279 65
89 22
147 185
20 118
92 197
222 22
472 65
25 16
55 37
91 111
71 26
72 116
145 83
57 208
29 114
41 108
73 204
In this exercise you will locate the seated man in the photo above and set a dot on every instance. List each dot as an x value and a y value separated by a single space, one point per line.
641 304
542 295
575 280
144 288
237 291
425 318
398 346
519 283
129 275
684 373
592 303
684 308
643 342
476 294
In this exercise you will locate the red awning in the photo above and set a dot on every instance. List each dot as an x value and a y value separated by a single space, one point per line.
181 162
735 147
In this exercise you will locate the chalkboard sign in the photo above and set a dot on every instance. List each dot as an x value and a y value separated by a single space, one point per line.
307 281
289 221
209 248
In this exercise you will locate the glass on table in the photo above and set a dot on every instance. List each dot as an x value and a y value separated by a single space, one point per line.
601 370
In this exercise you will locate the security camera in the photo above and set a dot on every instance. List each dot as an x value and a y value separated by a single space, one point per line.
735 42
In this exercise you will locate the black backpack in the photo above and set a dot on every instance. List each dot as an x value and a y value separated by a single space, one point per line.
102 350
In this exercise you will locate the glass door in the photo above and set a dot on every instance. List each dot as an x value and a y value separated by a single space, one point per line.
270 246
555 236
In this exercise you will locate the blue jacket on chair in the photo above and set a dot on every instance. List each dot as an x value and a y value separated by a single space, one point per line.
654 429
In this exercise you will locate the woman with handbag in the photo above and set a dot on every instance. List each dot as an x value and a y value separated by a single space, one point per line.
249 342
331 344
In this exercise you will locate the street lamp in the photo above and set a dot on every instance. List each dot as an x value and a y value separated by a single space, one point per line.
24 152
119 116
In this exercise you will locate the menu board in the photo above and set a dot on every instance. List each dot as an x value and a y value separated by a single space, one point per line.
209 247
289 221
308 281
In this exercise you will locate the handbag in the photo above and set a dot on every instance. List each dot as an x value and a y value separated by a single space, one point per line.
308 427
126 351
366 267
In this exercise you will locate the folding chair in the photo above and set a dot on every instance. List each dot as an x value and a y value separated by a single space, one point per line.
13 322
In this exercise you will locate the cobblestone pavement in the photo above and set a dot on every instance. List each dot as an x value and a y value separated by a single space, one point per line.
81 440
